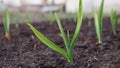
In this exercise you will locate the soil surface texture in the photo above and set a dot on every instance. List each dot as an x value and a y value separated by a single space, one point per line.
24 50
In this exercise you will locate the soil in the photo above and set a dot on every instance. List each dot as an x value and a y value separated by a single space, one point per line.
24 50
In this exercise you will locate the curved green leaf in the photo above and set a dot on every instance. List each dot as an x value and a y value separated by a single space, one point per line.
46 41
79 23
61 30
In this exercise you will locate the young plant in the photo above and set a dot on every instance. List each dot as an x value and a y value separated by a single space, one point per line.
28 18
16 20
69 43
113 21
99 21
70 16
6 23
51 18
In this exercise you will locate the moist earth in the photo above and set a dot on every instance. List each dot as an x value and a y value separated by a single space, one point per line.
24 50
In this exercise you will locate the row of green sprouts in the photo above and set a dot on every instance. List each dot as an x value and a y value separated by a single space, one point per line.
68 42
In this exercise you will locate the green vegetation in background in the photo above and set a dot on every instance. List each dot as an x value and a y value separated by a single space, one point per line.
28 18
41 14
69 43
89 17
113 19
99 22
70 16
89 23
118 20
16 19
51 18
7 23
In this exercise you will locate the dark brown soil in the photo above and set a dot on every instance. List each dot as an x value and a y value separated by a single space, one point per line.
24 50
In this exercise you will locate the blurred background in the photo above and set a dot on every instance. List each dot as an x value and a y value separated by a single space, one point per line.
42 10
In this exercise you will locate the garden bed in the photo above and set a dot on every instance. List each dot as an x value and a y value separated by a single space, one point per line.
24 50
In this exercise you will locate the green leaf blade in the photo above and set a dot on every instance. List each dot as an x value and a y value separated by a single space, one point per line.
6 20
113 21
100 14
99 22
97 27
48 42
65 39
78 26
61 30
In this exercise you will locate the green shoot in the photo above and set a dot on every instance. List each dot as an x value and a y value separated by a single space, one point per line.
113 21
7 23
70 16
51 18
89 22
69 43
46 41
16 19
28 18
99 21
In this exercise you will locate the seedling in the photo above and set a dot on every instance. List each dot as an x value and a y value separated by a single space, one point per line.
113 21
16 20
69 43
51 18
6 23
70 16
98 22
89 17
28 18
